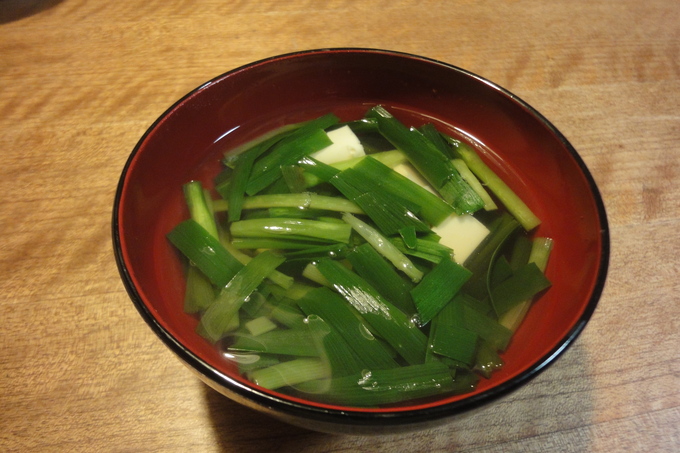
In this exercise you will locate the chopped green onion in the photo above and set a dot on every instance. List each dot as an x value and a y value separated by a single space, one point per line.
507 196
274 243
294 178
291 228
383 246
431 132
424 249
288 316
432 208
205 251
481 259
388 211
312 273
199 293
475 184
260 144
438 287
486 327
260 325
387 320
371 266
330 307
525 283
234 190
290 373
342 359
279 278
487 360
451 339
304 200
292 342
540 251
301 142
429 161
216 319
521 252
377 387
198 207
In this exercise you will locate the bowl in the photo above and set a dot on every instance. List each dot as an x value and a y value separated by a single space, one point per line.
522 146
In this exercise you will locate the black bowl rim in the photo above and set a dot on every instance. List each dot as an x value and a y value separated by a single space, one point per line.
350 416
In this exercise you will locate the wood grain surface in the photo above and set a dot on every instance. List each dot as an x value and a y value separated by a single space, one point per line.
81 80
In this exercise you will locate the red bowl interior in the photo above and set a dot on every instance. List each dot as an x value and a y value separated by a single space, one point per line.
520 145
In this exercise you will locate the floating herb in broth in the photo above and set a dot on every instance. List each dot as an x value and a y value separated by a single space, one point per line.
361 264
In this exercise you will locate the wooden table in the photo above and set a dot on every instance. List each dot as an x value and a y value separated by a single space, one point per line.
81 80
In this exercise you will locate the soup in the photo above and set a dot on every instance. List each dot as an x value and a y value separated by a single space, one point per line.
362 263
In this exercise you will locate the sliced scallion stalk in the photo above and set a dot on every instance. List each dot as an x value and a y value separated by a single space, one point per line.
304 200
487 360
301 142
475 184
429 161
198 207
330 307
513 203
260 325
525 283
370 265
341 358
293 176
387 320
274 243
438 287
291 342
291 228
486 327
451 338
279 278
383 246
428 250
216 319
432 208
480 260
378 387
540 251
388 211
290 373
431 132
199 293
205 251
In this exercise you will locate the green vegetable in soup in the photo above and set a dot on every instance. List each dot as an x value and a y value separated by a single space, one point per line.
326 278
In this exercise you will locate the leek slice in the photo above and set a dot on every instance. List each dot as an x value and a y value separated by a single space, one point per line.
513 203
205 251
371 266
198 206
378 387
540 251
216 320
438 287
429 161
330 307
292 342
290 373
199 292
387 320
383 246
292 229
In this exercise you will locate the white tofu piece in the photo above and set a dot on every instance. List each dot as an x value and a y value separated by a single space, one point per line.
346 145
407 170
462 233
